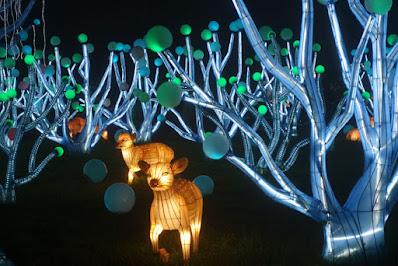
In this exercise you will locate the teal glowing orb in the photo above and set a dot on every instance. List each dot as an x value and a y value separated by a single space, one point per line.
216 146
96 170
119 198
205 184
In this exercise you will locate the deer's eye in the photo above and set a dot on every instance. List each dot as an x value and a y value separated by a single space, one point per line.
165 173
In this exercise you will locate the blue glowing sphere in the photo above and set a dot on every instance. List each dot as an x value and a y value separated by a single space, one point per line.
27 49
23 35
126 48
140 43
215 46
144 72
15 73
161 118
214 26
115 58
96 170
216 146
119 198
119 47
179 50
13 50
205 184
49 71
158 62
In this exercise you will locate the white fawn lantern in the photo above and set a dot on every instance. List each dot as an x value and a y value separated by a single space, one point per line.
150 153
177 204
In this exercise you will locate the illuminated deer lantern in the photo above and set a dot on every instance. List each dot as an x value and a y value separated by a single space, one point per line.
150 153
177 204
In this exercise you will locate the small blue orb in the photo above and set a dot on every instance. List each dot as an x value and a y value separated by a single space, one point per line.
205 184
119 47
158 62
37 22
49 71
179 50
214 26
115 58
126 48
96 170
27 49
140 43
15 73
144 72
215 46
161 118
23 35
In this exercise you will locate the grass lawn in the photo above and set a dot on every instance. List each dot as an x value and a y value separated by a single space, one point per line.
61 218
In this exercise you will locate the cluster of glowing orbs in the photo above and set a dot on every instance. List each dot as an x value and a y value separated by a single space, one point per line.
169 94
119 198
205 184
379 7
353 135
216 146
96 170
158 38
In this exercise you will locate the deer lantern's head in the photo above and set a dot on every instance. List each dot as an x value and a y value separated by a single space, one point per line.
125 141
160 176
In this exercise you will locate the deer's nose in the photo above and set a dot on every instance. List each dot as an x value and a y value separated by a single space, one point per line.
154 183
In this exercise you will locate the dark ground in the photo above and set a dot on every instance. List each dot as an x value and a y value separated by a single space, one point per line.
61 218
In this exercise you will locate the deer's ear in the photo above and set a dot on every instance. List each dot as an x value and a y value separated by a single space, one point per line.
179 166
144 166
133 136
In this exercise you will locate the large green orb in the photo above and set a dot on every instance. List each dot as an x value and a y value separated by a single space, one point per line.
380 7
169 94
158 38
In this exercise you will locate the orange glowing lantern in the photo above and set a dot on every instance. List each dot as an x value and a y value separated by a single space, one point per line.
76 126
353 135
372 121
177 204
150 153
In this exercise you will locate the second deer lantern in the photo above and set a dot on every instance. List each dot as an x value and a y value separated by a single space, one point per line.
177 204
150 153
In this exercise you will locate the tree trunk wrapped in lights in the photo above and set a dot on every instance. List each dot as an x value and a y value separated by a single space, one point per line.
15 121
177 204
353 231
151 153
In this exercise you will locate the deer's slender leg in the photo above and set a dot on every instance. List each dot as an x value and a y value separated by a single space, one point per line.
156 230
185 237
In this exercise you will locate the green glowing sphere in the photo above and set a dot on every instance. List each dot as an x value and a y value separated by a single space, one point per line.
221 82
9 63
38 54
158 39
286 34
3 97
380 7
249 61
262 109
77 58
70 94
296 43
169 94
29 59
82 38
198 55
316 47
241 88
55 41
319 69
65 62
177 81
295 71
186 30
60 151
284 52
206 35
11 93
266 33
3 52
366 95
256 76
392 39
232 80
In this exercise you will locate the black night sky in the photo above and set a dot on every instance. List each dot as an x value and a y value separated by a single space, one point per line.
61 219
